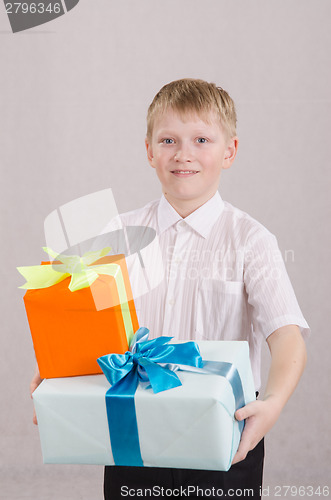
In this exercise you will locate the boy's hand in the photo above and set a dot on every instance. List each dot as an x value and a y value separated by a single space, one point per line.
36 380
288 359
260 417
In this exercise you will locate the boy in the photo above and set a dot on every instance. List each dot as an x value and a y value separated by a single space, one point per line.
224 278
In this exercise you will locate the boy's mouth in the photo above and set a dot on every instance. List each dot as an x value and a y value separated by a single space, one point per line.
185 173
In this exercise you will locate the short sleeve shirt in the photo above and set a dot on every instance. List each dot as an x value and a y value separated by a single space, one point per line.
223 277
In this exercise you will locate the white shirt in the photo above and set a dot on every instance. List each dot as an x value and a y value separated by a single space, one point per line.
224 277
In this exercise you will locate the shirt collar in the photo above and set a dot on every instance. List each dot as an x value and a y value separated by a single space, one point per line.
201 220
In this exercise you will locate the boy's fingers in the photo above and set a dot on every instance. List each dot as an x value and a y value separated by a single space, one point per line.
246 411
242 452
33 387
240 415
34 419
35 382
249 438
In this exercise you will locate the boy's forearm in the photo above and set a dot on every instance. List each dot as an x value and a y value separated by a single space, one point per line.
288 360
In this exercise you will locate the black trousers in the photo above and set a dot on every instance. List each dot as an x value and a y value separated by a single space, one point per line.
242 480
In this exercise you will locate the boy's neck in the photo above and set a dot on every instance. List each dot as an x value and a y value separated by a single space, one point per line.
186 207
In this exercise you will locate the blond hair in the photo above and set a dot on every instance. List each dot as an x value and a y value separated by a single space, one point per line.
191 96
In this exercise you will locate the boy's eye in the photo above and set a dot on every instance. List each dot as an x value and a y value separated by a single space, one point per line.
168 141
201 140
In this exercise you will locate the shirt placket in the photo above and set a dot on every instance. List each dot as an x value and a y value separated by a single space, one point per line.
177 270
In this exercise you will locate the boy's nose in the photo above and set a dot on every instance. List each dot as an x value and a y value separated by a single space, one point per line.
183 155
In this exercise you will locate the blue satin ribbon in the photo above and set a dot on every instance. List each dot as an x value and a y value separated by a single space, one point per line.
230 372
141 365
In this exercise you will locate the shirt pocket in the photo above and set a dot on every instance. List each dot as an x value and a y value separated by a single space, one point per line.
220 309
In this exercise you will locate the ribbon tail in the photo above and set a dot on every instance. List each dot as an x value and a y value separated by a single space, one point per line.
160 378
122 421
41 276
51 252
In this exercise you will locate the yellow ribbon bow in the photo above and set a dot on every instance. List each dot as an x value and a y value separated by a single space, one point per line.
82 273
79 268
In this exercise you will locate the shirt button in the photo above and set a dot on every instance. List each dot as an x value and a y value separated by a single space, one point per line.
171 302
181 224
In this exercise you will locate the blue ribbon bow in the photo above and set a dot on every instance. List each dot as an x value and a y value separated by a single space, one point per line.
142 365
144 358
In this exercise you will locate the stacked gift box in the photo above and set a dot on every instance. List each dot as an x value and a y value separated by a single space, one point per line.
81 317
159 403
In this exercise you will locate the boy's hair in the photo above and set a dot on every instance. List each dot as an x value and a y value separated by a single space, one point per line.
199 97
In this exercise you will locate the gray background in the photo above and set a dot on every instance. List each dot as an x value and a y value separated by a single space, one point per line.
74 95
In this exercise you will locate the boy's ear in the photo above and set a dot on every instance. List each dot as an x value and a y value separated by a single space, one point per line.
230 152
149 152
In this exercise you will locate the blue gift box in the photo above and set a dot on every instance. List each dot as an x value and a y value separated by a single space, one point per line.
188 426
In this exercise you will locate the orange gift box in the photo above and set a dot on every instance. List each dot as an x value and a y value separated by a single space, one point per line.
70 330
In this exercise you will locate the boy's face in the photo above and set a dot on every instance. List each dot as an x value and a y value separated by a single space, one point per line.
188 155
